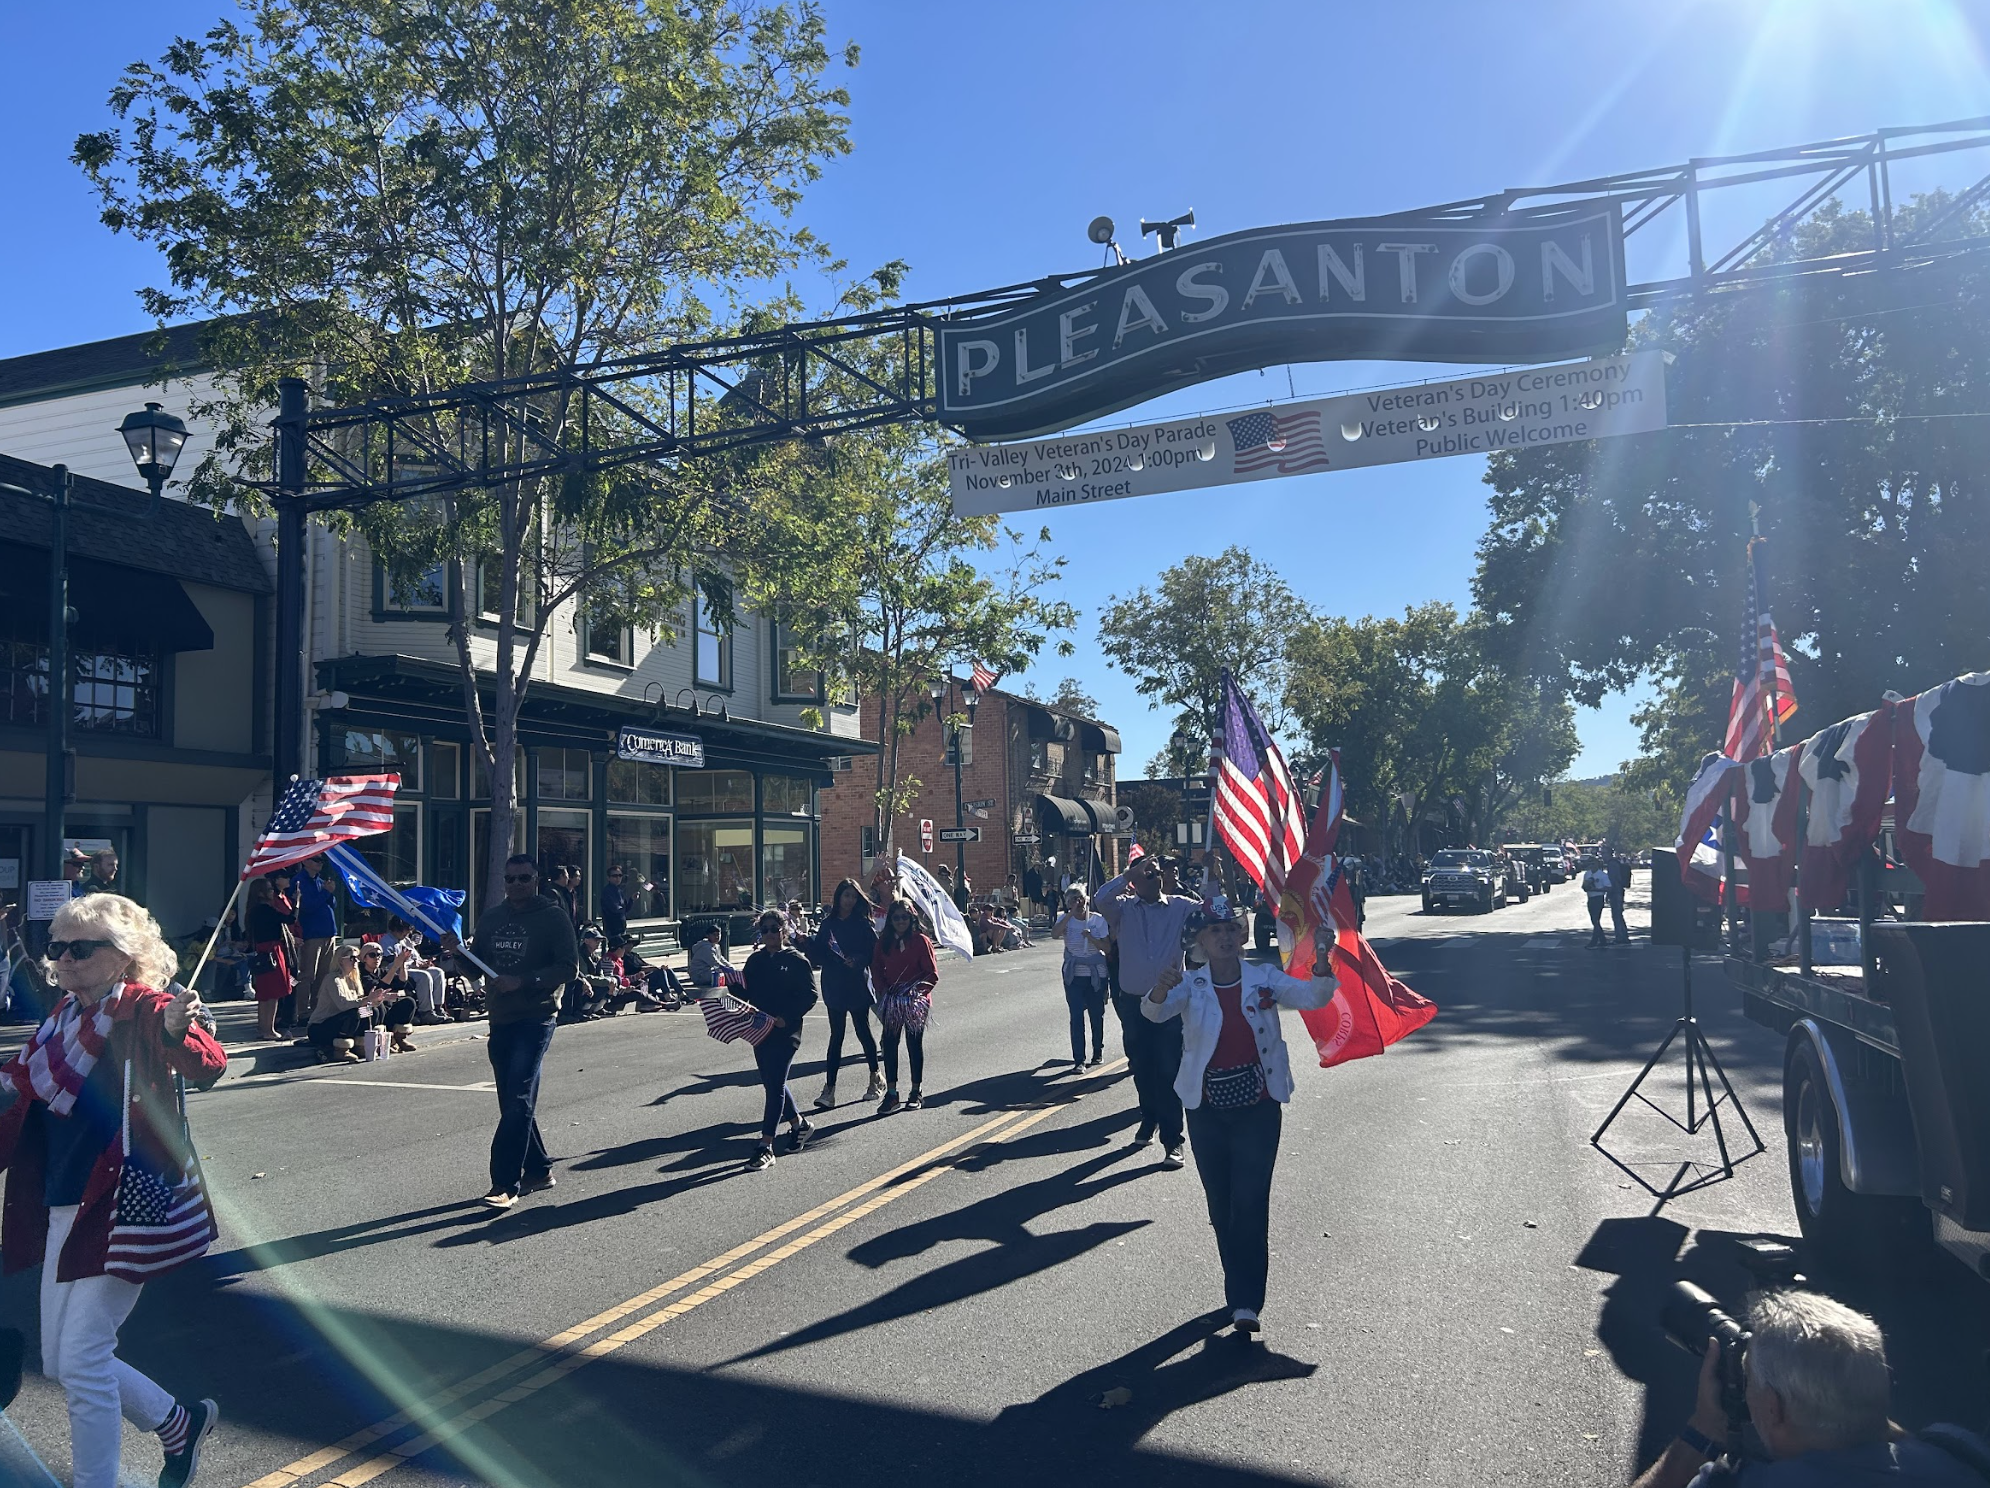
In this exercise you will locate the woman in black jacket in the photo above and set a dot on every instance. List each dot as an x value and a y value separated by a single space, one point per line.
781 984
842 947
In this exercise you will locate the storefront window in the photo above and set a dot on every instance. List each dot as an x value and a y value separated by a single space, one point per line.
377 751
640 847
395 855
480 777
784 865
563 843
715 790
714 867
634 783
445 770
787 795
565 775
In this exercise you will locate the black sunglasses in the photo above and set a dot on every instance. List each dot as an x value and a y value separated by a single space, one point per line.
76 950
520 877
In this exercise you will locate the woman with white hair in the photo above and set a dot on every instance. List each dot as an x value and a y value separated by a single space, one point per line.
88 1110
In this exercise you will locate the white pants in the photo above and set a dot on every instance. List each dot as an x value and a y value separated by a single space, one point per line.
79 1323
426 985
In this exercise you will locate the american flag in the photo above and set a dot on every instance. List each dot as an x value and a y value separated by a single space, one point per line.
983 679
1258 812
1763 697
728 1022
312 815
1285 442
159 1223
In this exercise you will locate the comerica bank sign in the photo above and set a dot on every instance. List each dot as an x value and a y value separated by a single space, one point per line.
1423 287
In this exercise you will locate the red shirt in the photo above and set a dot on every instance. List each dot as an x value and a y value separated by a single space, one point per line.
909 965
1237 1043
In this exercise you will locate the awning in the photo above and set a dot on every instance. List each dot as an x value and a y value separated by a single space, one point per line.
1101 813
1098 738
114 605
1056 814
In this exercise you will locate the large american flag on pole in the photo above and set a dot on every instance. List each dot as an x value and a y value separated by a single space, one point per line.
313 815
1258 812
1763 697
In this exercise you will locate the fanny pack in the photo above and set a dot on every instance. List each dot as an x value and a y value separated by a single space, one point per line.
1233 1089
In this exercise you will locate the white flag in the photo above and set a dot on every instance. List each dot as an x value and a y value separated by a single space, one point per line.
924 890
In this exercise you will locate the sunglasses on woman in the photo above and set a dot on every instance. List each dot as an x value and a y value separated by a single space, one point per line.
76 950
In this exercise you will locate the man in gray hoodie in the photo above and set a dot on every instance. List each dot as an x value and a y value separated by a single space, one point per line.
1146 925
527 939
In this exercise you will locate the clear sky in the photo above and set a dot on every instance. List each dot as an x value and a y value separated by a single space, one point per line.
988 135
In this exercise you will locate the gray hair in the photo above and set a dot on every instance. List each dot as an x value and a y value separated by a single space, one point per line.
126 925
1827 1362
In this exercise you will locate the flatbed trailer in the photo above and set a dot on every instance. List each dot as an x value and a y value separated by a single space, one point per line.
1884 1123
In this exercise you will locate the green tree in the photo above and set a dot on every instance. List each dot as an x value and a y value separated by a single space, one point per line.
1206 616
908 609
396 198
1069 695
1847 411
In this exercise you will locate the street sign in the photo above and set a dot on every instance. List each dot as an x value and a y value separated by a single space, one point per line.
925 834
981 805
960 834
1413 287
1026 839
1511 410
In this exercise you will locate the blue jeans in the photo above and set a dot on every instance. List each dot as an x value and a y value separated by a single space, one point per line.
1234 1155
1085 996
517 1050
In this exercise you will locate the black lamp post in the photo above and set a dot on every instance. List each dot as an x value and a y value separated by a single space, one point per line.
951 733
155 439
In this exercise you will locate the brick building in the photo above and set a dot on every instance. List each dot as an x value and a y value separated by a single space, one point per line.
1048 777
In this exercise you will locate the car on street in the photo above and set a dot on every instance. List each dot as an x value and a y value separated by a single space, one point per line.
1464 876
1536 867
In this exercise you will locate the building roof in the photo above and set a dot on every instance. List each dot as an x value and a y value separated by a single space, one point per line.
122 361
115 525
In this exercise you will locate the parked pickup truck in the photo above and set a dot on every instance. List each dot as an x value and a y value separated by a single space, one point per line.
1885 1102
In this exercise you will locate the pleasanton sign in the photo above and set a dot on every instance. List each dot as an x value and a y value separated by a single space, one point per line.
1424 287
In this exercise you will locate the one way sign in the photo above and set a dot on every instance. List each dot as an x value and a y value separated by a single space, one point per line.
960 834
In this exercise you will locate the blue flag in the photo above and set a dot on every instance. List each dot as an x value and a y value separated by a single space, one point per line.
438 911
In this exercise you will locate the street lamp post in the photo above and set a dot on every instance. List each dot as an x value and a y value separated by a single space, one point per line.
951 734
155 439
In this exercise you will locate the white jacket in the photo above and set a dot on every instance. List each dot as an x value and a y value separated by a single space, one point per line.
1193 1000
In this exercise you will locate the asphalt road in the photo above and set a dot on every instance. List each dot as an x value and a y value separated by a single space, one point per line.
1461 1286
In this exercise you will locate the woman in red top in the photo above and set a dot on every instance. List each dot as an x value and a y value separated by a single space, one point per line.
268 916
903 972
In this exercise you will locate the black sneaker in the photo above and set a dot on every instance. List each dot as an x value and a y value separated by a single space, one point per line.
890 1103
536 1183
1145 1135
914 1101
761 1160
202 1417
798 1138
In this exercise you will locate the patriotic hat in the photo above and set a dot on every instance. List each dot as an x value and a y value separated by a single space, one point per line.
1218 911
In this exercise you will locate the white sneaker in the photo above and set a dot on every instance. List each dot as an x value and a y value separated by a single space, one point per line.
876 1089
1245 1322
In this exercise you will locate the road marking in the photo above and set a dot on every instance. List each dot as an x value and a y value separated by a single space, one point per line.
566 1358
1545 943
485 1086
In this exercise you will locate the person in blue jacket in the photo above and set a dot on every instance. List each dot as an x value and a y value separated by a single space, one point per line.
317 929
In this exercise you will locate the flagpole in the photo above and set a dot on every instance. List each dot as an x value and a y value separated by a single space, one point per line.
220 920
1770 697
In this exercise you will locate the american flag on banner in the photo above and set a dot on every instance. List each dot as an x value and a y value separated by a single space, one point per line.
312 815
1258 811
983 679
729 1022
1287 443
1763 697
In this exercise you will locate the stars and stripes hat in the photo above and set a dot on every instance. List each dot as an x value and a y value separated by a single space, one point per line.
1218 911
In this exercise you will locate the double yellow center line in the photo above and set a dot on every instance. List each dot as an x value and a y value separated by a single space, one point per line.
564 1352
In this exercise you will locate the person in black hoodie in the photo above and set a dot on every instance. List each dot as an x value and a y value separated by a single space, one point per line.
842 947
527 939
781 984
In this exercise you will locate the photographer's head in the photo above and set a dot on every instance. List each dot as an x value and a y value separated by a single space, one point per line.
1817 1377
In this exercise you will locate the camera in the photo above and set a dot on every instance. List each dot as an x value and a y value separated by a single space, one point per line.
1692 1318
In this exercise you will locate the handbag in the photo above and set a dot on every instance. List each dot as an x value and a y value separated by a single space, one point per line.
1233 1089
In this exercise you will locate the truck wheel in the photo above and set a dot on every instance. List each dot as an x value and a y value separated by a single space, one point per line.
1851 1230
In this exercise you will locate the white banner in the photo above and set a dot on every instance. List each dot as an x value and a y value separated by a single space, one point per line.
1472 416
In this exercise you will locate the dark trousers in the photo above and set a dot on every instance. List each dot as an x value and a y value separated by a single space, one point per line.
343 1025
1617 913
774 1054
1085 996
517 1051
1154 1054
841 1018
1234 1155
1596 903
915 1054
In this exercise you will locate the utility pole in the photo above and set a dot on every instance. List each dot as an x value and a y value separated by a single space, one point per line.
60 689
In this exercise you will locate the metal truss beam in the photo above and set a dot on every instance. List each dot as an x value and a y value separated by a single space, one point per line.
820 378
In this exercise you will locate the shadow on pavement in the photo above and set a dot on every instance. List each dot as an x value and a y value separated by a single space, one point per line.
1935 1322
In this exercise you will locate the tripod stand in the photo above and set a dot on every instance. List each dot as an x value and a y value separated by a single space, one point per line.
1701 1112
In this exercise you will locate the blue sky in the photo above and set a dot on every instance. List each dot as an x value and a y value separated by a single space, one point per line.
988 135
